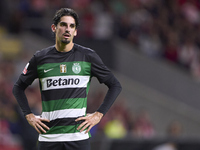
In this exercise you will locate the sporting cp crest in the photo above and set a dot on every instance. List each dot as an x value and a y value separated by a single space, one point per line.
76 68
63 68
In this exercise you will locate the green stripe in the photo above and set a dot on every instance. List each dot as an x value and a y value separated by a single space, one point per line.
62 129
61 104
85 69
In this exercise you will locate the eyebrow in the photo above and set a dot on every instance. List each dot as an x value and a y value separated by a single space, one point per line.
67 23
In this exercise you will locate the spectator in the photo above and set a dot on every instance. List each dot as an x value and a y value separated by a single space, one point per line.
115 128
187 53
150 43
171 47
142 127
174 129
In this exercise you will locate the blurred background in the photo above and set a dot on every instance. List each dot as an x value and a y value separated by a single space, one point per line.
153 48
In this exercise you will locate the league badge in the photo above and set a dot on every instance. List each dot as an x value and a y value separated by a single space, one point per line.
25 69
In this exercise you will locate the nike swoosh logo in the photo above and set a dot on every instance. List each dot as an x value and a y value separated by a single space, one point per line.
45 71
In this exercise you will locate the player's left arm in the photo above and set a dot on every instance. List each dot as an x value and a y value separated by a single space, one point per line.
90 120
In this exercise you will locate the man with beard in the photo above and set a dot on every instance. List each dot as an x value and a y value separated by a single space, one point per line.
65 71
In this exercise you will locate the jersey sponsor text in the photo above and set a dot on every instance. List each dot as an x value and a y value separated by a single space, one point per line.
59 82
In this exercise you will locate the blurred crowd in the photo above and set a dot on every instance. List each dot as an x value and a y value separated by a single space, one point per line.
166 29
160 29
121 121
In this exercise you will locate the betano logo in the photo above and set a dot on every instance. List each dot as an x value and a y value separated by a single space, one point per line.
59 82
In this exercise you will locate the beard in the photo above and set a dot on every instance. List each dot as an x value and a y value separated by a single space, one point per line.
65 41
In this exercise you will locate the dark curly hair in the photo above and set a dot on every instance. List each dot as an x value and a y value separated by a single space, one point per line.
65 12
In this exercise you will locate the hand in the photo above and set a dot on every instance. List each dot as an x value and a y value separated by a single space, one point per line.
90 120
36 122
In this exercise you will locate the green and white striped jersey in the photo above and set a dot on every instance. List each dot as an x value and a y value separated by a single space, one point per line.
64 83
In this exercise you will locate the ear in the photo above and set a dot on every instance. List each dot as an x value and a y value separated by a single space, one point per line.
75 33
53 28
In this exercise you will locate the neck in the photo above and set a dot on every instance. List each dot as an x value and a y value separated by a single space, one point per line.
63 47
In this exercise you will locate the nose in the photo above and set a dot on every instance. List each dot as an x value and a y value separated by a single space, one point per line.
67 28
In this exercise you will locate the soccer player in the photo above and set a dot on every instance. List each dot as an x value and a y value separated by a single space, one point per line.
65 71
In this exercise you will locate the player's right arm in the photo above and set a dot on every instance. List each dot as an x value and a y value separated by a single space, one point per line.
28 75
36 122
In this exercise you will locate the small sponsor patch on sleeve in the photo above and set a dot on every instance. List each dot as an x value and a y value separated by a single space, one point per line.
25 69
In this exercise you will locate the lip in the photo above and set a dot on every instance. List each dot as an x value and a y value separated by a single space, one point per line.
66 35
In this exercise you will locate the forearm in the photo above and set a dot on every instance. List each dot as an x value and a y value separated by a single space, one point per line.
113 92
19 93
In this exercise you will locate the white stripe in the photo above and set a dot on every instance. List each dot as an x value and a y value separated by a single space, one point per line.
60 82
65 113
63 137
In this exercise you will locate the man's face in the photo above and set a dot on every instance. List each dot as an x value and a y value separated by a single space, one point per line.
65 30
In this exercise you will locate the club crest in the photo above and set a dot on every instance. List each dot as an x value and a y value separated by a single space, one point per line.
76 68
63 68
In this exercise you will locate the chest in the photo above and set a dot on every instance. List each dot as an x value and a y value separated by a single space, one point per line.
63 64
80 68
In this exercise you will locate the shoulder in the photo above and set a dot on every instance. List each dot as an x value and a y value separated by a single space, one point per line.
88 53
83 49
45 51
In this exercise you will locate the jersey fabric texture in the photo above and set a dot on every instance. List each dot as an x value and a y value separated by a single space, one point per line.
64 79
